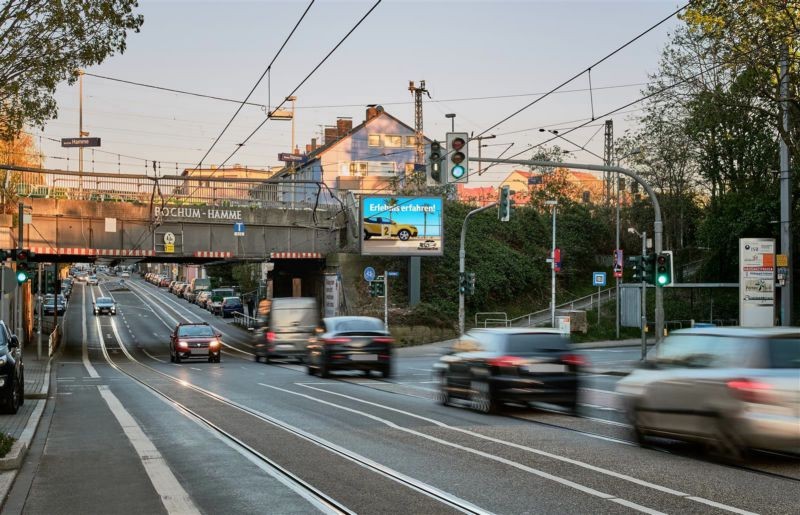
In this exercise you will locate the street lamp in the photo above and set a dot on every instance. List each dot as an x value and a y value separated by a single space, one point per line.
643 314
554 204
452 117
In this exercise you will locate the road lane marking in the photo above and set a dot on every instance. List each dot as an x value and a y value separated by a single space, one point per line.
173 496
525 448
525 468
151 356
85 349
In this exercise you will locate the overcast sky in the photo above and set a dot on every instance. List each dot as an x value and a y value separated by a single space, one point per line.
462 49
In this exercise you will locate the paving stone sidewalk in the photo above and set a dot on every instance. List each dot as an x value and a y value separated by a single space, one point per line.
35 379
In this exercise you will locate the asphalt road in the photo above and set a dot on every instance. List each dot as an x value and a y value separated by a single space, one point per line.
131 432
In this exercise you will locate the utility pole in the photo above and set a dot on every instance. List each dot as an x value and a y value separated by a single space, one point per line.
608 156
419 158
608 159
39 313
20 246
554 204
480 144
80 132
786 195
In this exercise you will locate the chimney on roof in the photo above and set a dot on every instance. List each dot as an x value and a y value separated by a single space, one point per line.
309 148
330 134
344 124
373 110
313 143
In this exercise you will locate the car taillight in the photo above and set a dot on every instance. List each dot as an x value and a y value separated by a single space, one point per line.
507 361
270 337
574 359
750 390
331 341
383 339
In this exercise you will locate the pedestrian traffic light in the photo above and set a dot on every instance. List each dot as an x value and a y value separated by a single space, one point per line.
504 213
435 162
664 268
376 287
457 157
471 279
636 268
649 268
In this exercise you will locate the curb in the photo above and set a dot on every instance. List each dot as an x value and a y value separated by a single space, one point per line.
13 460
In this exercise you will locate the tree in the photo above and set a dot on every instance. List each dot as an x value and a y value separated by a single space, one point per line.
19 151
44 42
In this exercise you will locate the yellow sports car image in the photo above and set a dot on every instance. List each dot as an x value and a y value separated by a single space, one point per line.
377 226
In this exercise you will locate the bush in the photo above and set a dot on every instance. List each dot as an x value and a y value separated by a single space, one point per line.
6 442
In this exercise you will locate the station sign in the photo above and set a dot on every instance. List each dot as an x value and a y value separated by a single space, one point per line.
80 142
598 278
238 229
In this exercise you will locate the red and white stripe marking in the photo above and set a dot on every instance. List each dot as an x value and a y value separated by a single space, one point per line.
213 254
77 251
295 255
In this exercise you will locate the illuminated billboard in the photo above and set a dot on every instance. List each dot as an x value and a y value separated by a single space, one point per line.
401 226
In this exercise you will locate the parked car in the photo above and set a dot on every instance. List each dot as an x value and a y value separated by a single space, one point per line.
54 305
214 304
730 388
105 305
195 340
165 281
350 343
178 290
231 305
285 331
12 372
378 226
201 298
490 367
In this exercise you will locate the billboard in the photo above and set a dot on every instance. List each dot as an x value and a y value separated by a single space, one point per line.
756 282
401 226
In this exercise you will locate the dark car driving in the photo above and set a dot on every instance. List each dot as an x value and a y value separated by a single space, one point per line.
12 372
193 341
351 343
489 367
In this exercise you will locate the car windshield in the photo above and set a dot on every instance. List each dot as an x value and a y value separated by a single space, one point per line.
784 353
231 301
357 325
195 330
104 301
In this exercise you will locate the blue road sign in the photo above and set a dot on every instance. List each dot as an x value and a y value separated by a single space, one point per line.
598 278
238 229
369 274
392 274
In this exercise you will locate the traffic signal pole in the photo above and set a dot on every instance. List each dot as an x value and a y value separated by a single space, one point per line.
644 299
462 254
18 302
658 227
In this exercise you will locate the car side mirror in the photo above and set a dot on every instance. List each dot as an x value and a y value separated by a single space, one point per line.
218 335
13 342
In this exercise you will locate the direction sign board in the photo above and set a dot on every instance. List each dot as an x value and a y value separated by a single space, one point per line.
80 142
169 248
598 278
238 229
287 157
369 274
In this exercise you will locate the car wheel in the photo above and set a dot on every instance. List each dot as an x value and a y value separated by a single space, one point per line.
177 358
218 359
310 370
11 404
571 408
444 393
367 235
386 371
403 235
257 358
267 359
481 398
171 358
726 444
323 369
21 388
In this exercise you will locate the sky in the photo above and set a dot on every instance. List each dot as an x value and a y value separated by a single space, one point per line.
462 49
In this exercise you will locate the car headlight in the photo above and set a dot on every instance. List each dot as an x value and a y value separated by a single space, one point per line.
183 344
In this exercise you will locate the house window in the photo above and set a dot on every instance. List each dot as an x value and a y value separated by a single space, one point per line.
392 141
383 168
374 140
411 141
358 168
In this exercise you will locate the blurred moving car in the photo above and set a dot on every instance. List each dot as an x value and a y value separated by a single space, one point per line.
125 275
105 305
231 305
92 280
377 226
284 331
12 372
489 367
351 343
195 340
730 388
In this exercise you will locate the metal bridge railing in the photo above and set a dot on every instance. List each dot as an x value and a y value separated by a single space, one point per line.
245 321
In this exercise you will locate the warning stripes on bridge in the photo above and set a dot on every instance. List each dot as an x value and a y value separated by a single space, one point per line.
213 254
77 251
295 255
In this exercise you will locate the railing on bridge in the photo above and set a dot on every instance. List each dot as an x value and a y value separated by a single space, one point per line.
174 190
245 321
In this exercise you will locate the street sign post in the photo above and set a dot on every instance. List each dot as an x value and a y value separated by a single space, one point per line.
80 142
393 274
369 274
599 280
238 229
287 157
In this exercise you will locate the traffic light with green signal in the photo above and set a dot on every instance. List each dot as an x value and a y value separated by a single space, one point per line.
504 203
457 157
435 162
21 256
664 268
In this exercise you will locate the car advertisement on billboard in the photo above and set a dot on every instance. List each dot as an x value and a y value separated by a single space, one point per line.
401 226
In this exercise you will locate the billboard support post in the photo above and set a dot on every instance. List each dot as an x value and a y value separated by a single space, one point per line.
461 258
386 300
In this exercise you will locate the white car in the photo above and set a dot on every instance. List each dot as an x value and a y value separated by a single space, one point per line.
125 275
92 280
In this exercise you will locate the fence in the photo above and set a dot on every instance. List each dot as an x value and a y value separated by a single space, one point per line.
54 340
245 321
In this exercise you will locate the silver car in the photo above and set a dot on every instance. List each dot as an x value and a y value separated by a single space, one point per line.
732 389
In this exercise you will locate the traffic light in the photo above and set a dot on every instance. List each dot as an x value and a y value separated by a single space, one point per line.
376 287
504 213
471 279
5 254
664 268
457 157
22 274
636 268
435 162
649 268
